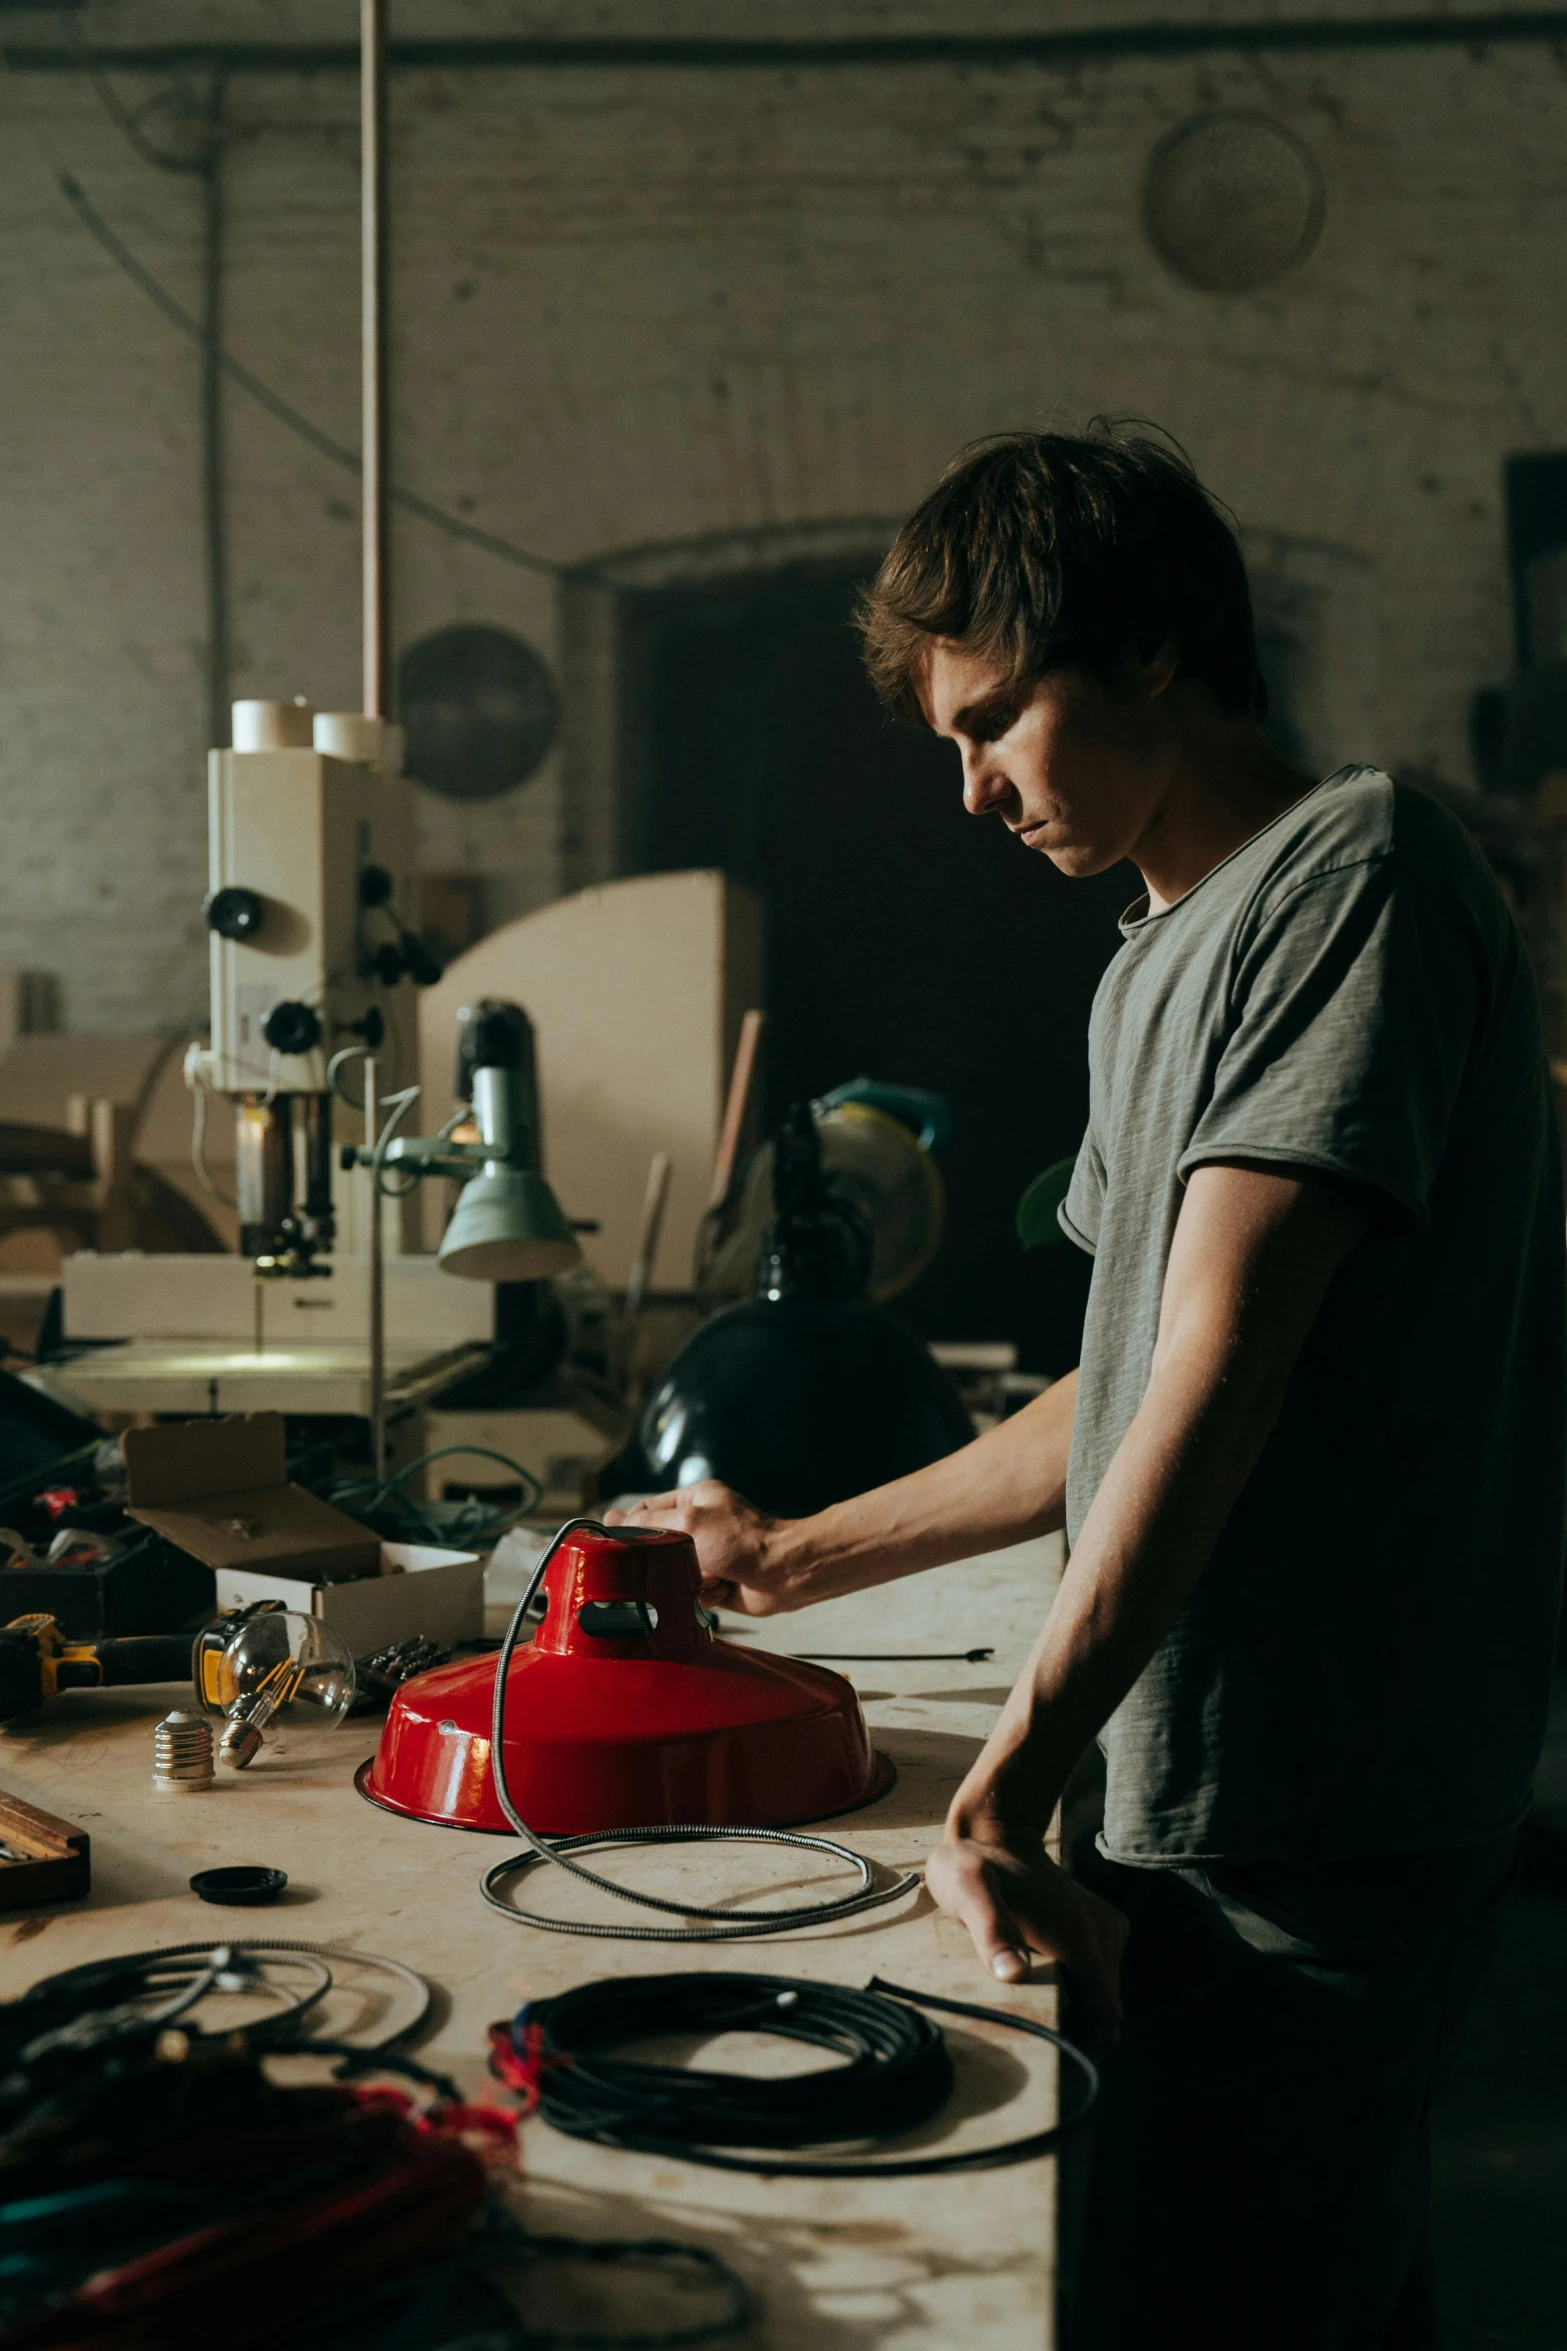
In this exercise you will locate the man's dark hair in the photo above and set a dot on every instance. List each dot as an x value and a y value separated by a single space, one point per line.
1080 550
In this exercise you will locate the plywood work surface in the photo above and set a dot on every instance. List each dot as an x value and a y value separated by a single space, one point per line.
906 2265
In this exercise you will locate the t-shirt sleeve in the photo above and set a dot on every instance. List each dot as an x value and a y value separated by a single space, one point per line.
1078 1214
1350 1022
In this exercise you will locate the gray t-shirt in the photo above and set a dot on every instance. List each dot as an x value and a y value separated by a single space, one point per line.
1364 1665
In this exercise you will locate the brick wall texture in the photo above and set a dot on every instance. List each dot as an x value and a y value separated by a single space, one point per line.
649 306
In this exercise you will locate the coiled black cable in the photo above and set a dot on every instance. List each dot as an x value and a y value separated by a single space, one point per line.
897 2073
734 1925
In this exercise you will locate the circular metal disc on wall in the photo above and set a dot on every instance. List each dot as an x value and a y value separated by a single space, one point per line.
479 707
1232 200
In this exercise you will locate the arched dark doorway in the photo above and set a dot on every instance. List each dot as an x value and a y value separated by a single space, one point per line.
904 940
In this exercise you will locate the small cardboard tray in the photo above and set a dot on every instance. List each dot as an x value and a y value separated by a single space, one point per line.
220 1490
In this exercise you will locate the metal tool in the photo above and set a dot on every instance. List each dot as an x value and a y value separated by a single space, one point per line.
37 1661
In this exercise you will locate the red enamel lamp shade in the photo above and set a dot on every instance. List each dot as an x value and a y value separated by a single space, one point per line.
627 1713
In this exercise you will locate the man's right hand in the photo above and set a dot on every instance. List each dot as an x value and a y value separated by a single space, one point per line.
1005 1485
733 1544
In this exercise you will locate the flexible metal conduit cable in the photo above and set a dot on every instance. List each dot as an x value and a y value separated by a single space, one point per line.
730 1926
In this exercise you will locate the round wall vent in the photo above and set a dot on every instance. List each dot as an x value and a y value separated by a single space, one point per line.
1232 200
479 707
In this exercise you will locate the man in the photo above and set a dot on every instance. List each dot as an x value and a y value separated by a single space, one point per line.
1311 1463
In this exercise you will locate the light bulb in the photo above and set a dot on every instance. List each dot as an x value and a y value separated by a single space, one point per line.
280 1667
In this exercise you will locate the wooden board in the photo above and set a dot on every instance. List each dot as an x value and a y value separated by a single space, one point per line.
922 2265
42 1859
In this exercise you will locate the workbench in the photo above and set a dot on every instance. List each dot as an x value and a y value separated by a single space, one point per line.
903 2265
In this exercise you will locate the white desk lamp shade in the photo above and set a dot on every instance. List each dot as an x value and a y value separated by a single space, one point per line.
508 1227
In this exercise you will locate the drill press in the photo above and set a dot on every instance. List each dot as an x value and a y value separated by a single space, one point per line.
310 855
310 864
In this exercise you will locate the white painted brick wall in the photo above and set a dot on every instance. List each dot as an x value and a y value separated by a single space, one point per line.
637 307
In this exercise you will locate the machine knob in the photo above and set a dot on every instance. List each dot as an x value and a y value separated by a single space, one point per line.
375 885
423 968
235 913
372 1028
292 1028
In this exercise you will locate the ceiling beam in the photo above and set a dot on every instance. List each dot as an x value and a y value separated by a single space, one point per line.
1085 44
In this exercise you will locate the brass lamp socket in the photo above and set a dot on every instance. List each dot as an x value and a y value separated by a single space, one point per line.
239 1745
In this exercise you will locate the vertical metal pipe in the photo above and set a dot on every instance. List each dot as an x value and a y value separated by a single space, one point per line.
214 514
373 324
377 1277
377 579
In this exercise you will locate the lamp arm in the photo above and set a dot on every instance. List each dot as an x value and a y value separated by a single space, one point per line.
424 1155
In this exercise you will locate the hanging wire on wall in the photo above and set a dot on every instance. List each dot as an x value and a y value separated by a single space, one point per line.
283 410
254 386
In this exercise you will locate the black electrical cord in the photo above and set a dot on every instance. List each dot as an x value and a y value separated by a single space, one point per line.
117 1987
103 2001
95 2025
382 1503
897 2073
731 1926
894 1656
355 2060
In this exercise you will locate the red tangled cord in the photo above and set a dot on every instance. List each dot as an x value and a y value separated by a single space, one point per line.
430 2179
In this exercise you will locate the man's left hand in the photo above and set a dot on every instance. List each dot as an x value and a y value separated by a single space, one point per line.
999 1882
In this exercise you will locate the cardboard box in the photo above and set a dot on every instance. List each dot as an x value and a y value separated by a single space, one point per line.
220 1489
420 1591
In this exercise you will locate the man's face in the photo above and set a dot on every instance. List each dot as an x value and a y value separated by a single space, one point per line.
1075 768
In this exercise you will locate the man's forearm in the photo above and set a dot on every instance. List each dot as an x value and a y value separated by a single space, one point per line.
1007 1485
1253 1253
1143 1545
1230 1334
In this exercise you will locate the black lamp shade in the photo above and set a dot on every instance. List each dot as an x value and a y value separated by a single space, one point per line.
795 1402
